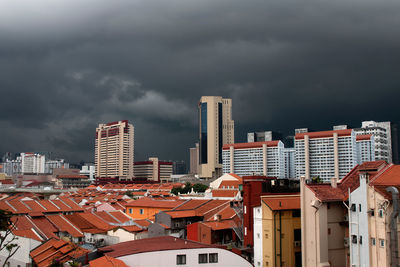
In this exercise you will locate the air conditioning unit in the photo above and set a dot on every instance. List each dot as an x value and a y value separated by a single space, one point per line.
346 218
297 243
346 242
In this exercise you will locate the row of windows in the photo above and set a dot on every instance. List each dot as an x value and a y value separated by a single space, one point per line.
203 258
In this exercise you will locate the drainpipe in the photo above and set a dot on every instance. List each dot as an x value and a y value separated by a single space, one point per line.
393 226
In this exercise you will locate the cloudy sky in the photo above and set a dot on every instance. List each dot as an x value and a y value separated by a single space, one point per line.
68 65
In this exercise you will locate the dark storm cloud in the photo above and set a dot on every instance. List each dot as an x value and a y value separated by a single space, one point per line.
66 66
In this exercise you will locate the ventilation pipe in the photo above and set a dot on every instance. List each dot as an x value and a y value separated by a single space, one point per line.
393 226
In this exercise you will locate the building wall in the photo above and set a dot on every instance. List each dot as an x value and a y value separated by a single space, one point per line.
114 150
21 257
146 213
225 258
258 236
32 163
194 159
216 129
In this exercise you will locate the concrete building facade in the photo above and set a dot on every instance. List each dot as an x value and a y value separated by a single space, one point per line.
153 170
114 150
325 154
258 158
32 163
216 128
194 159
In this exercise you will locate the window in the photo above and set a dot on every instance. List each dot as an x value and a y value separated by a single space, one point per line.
354 239
213 257
180 259
130 211
380 213
296 213
373 241
360 239
382 243
359 206
141 211
297 234
203 258
353 207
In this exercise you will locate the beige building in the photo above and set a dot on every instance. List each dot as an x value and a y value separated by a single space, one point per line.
153 170
194 159
114 150
347 223
277 231
216 128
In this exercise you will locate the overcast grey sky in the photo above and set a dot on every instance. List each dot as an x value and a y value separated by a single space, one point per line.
68 65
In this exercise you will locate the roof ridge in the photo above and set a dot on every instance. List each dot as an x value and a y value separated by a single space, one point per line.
379 173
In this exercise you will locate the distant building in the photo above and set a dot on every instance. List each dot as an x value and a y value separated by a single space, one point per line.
325 154
12 167
114 150
88 170
257 158
55 164
153 170
32 163
179 167
194 159
289 161
216 128
263 136
365 148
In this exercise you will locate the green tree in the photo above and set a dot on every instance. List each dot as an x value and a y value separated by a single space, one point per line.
199 188
7 239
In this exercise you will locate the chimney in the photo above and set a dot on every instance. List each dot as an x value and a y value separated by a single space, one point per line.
334 182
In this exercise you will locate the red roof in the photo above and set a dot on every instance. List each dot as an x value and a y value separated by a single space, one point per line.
325 192
107 261
151 203
55 249
229 184
289 202
224 193
132 228
363 137
28 234
161 243
390 177
220 225
251 145
7 181
324 134
63 225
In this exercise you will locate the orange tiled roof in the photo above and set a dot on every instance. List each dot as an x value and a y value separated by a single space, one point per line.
149 202
289 202
363 137
55 249
324 134
250 145
220 225
107 261
28 234
64 225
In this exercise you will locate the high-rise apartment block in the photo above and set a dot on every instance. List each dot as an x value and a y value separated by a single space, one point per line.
153 170
32 163
330 154
194 159
216 128
263 136
114 150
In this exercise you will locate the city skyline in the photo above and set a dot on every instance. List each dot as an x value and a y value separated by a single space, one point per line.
68 66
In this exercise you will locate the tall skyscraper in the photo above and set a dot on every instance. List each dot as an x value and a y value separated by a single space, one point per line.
194 159
114 150
216 128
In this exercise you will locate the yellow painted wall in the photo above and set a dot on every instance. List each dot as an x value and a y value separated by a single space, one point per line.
148 212
271 242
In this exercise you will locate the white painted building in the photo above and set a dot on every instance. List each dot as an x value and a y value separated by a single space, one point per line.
21 257
382 138
32 163
257 158
365 148
258 236
289 160
325 154
55 164
89 171
168 251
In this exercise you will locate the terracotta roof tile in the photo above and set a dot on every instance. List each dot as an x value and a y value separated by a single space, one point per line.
149 202
149 245
250 145
224 193
107 261
28 234
63 225
288 202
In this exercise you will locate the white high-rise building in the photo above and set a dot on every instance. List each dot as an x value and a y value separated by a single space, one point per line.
257 158
382 138
216 128
32 163
365 148
114 150
289 159
325 154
